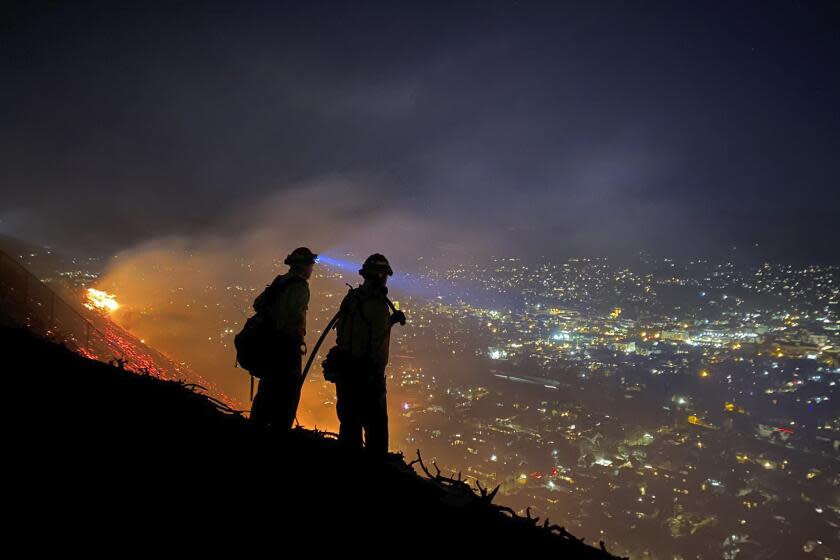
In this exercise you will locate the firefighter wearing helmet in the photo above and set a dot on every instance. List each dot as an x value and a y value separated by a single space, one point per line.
283 307
364 335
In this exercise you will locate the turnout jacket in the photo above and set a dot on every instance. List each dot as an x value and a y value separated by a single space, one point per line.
285 303
364 329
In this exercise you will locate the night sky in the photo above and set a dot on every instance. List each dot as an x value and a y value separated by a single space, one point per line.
550 128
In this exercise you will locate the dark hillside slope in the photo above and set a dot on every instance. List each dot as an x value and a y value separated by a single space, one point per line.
96 451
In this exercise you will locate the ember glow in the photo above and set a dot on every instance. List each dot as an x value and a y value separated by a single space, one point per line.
98 300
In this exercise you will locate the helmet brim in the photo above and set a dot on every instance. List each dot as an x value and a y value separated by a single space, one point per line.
301 260
376 270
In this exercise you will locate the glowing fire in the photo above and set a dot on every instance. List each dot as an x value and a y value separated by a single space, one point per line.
101 301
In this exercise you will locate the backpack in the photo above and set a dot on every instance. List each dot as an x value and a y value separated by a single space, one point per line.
257 343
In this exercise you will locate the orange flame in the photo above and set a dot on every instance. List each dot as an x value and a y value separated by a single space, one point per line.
101 301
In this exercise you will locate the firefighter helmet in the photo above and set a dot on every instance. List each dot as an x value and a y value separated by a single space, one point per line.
376 263
301 256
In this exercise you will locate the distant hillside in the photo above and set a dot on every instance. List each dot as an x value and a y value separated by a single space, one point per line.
46 263
101 449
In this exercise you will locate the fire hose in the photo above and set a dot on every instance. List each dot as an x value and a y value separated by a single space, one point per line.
314 352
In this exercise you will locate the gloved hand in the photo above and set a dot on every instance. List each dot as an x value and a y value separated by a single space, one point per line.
398 317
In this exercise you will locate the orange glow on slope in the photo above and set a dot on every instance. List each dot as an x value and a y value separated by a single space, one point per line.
108 342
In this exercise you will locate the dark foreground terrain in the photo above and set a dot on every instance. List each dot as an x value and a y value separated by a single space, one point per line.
103 458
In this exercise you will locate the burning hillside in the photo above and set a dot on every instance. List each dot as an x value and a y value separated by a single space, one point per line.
86 327
132 353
